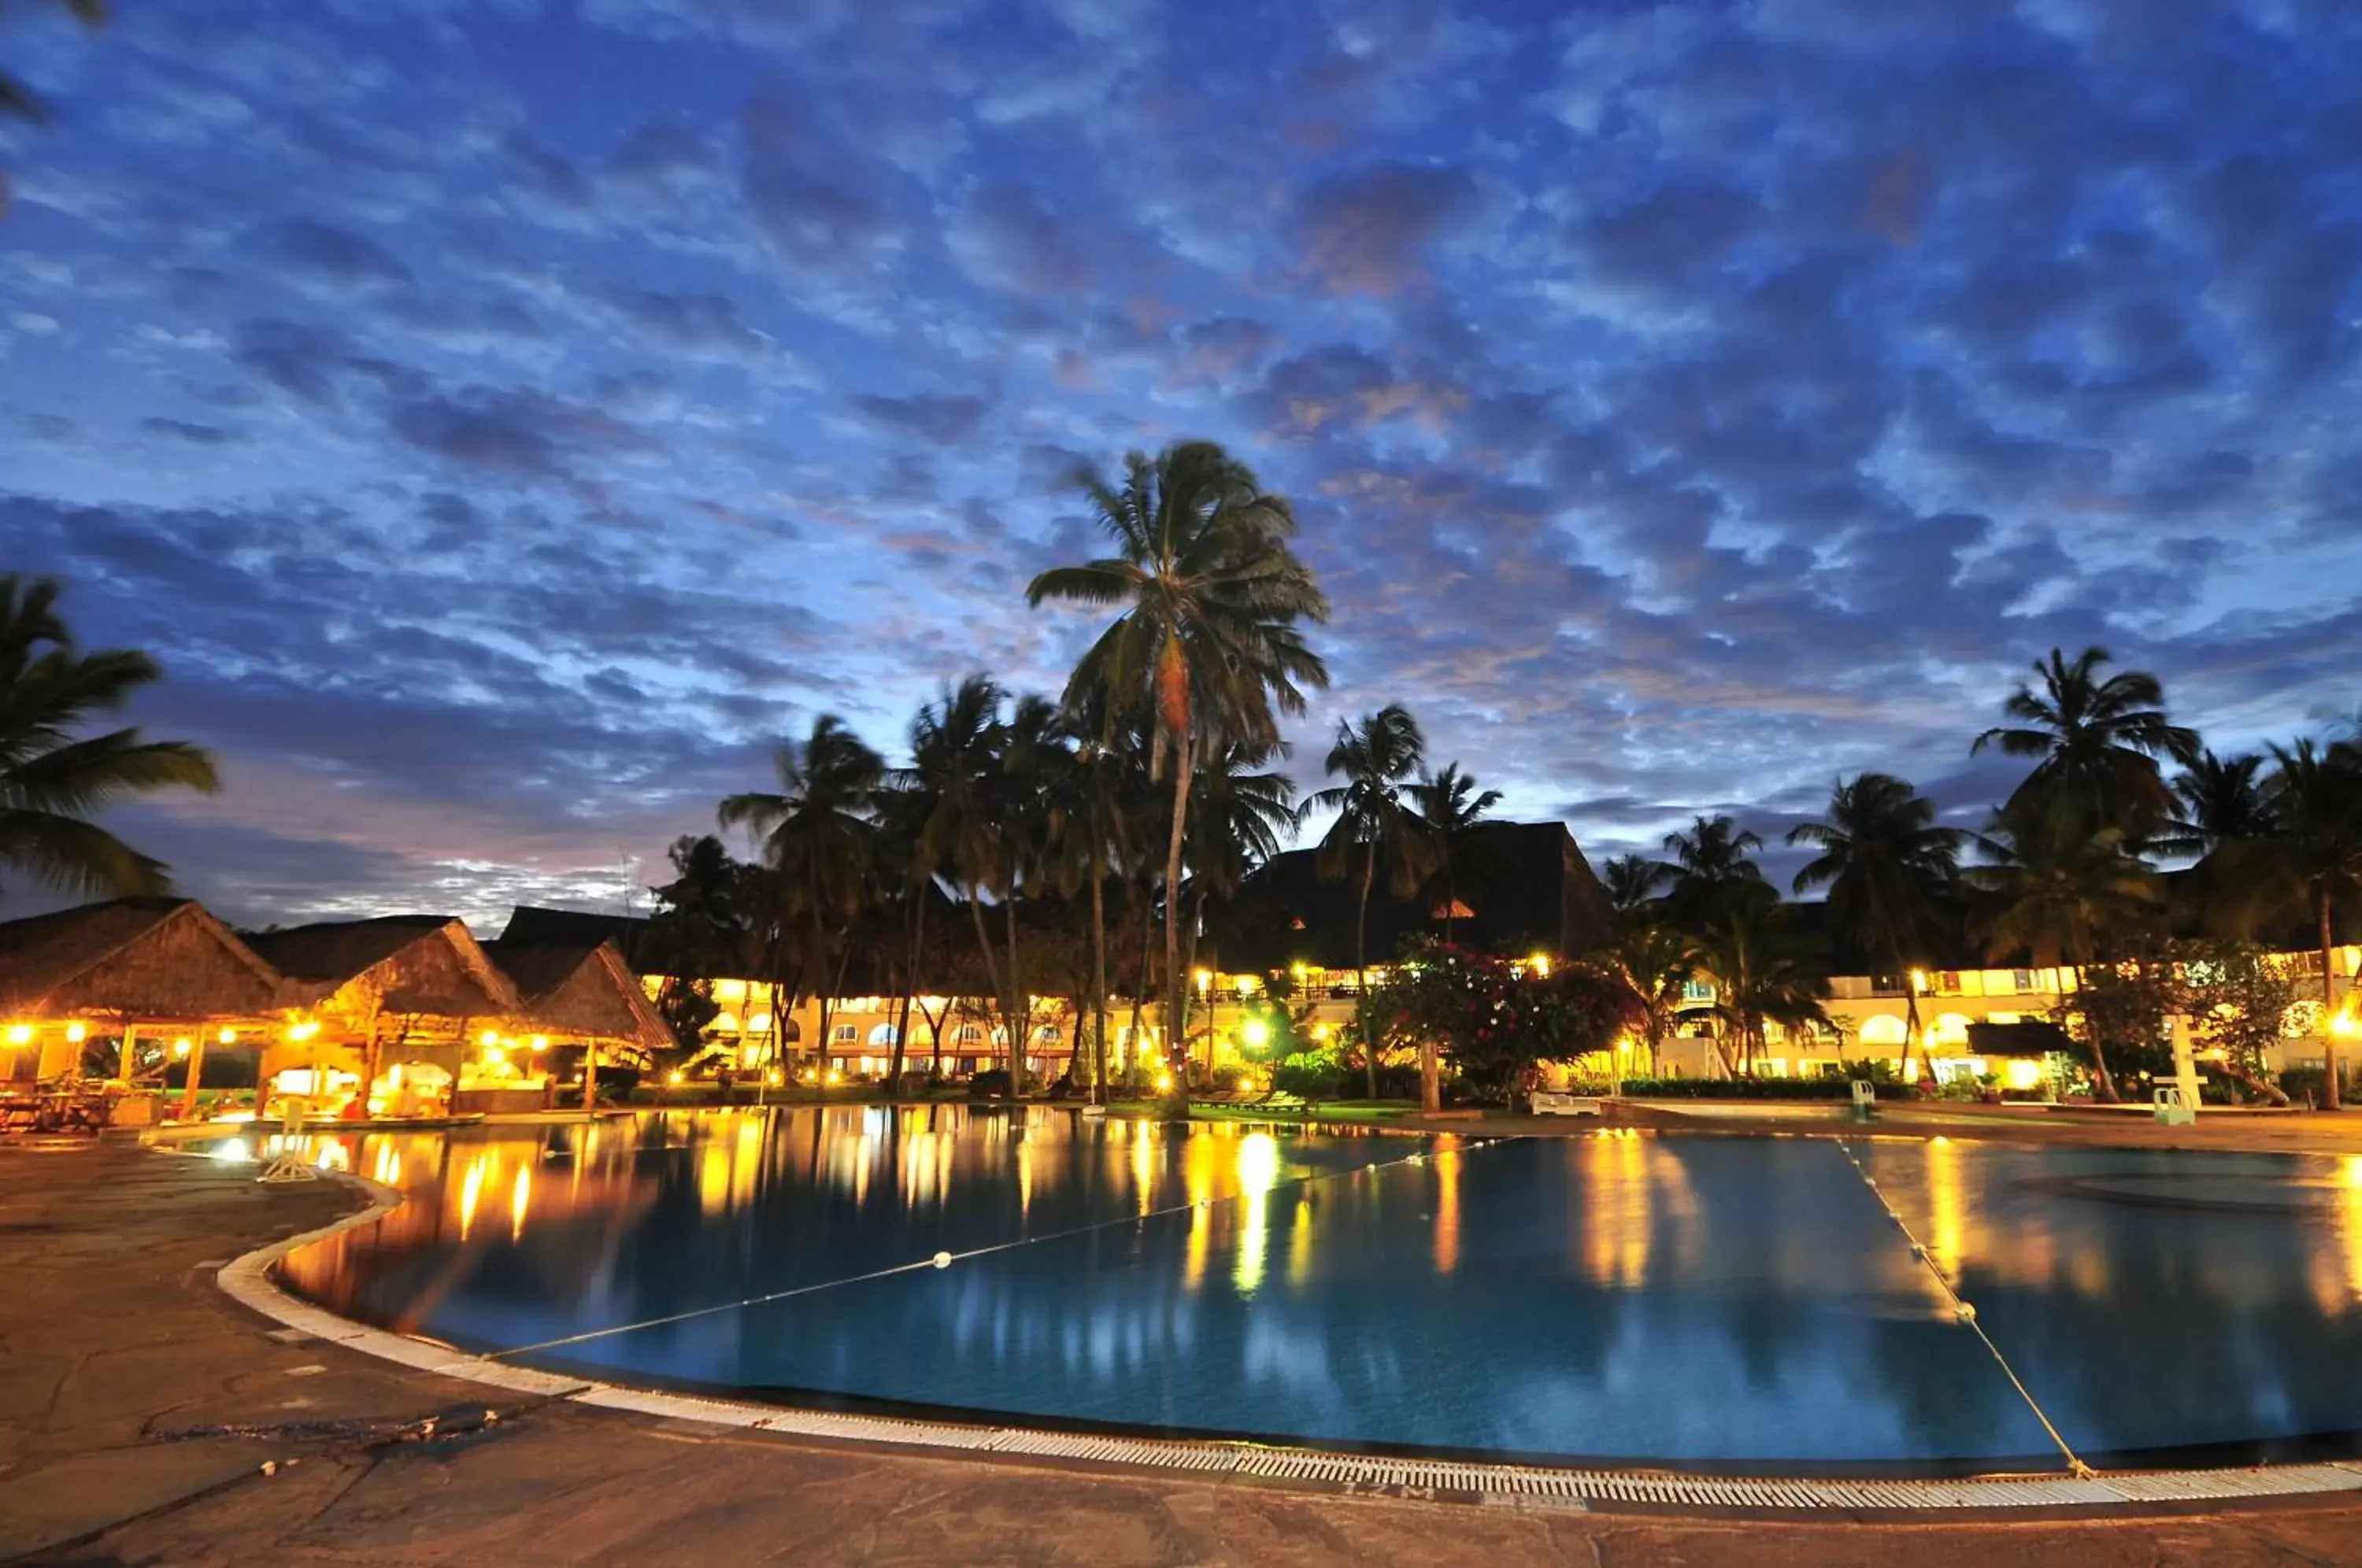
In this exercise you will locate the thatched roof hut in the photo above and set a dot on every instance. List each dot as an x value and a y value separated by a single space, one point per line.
136 959
582 991
417 966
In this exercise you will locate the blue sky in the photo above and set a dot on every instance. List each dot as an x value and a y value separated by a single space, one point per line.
508 420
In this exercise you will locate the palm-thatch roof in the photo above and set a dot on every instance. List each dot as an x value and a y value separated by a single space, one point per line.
141 958
1521 886
427 965
581 990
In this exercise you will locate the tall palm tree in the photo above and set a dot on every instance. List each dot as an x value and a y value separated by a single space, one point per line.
2064 897
53 777
1376 823
1653 965
1089 839
2315 796
1889 869
2097 742
1451 806
1030 765
817 838
1761 970
1210 640
1632 882
956 771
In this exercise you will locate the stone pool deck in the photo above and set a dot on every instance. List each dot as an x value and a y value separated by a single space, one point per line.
139 1407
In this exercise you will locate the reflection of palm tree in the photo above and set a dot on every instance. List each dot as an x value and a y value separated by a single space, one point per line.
2097 742
1208 640
1888 869
53 783
1451 805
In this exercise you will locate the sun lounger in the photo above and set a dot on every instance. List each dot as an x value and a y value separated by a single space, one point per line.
1548 1102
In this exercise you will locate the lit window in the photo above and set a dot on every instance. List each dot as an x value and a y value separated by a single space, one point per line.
1883 1030
968 1034
882 1035
844 1033
2022 981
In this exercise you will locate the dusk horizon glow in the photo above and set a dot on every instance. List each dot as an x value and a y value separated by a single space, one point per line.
509 422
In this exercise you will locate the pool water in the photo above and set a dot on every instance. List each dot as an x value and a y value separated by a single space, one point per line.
1709 1301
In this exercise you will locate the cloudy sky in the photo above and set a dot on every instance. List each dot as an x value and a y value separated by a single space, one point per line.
508 419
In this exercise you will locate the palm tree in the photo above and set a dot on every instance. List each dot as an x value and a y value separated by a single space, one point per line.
1889 869
2219 800
1030 764
2062 896
1088 840
1451 806
1632 882
53 783
817 838
1653 964
1208 640
955 772
2098 742
1760 968
2315 796
1710 865
1374 823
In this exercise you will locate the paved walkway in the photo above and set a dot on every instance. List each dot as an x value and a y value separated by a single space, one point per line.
139 1410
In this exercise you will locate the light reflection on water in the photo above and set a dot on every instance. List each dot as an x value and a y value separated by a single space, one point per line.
1615 1295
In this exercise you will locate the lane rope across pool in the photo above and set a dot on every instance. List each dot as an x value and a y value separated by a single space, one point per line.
945 1259
1963 1308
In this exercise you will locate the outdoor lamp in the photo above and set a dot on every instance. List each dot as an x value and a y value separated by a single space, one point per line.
182 1046
74 1033
228 1037
1257 1034
20 1034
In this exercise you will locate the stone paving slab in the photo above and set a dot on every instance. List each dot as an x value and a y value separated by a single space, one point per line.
112 1339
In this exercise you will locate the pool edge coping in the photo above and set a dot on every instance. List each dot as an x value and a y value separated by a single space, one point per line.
248 1279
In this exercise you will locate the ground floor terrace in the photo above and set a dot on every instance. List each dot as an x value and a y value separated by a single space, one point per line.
147 1418
1964 1021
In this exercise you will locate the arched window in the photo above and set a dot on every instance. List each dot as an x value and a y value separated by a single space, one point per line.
1950 1029
1883 1030
882 1035
968 1034
1048 1034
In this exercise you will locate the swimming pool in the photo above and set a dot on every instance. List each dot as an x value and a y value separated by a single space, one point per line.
1705 1302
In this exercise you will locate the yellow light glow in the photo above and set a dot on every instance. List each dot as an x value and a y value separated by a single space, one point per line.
541 1042
1246 984
303 1031
1257 1034
182 1046
676 1076
1320 1031
2344 1026
75 1033
1205 977
835 1076
1164 1083
1919 980
1540 965
496 1058
1296 969
20 1034
2022 1073
489 1038
725 1021
228 1036
775 1077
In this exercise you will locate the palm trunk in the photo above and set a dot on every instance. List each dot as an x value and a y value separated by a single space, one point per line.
1019 1009
2331 1096
1362 968
1911 1028
910 984
1099 982
983 941
2103 1082
1176 994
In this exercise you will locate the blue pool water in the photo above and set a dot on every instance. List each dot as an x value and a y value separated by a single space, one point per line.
1703 1300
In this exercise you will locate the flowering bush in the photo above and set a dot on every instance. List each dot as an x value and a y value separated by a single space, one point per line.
1492 1022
